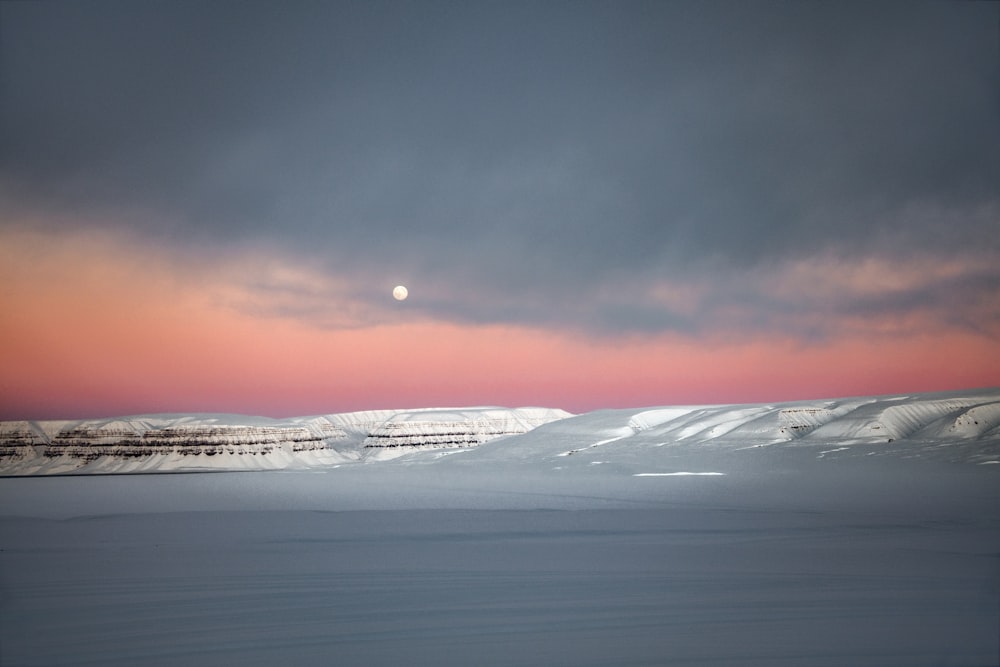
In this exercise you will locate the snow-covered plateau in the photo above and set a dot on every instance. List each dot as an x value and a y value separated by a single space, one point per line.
164 443
957 427
860 531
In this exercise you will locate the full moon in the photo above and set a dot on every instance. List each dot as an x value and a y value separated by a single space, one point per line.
399 293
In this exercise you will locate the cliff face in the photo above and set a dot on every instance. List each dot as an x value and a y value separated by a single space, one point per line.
149 443
445 429
18 439
88 443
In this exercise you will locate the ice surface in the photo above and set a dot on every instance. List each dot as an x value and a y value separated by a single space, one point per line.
675 474
598 539
329 568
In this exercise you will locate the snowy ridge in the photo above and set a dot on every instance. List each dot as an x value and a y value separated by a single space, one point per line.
360 424
437 429
954 427
166 442
961 427
847 421
154 443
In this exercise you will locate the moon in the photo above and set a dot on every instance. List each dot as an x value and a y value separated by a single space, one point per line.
399 292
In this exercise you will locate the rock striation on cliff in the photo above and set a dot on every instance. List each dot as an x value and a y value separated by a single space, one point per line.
160 443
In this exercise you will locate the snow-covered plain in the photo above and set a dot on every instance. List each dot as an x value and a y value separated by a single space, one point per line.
857 531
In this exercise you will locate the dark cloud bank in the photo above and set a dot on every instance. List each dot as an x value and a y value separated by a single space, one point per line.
519 161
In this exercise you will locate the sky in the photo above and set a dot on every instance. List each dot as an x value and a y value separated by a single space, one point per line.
204 207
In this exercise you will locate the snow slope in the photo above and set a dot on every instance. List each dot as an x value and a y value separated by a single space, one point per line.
954 428
958 427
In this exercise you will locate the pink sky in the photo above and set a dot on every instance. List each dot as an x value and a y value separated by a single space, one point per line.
592 204
96 326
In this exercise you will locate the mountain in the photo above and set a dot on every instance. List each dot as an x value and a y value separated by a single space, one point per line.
955 427
164 443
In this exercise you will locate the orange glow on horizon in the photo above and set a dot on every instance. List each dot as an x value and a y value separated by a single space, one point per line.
98 330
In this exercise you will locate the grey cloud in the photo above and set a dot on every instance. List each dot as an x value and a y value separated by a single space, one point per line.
532 153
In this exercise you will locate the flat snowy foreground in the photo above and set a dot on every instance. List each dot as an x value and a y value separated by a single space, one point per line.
845 532
868 561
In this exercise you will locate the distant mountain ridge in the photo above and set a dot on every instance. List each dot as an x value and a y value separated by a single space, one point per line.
959 427
157 443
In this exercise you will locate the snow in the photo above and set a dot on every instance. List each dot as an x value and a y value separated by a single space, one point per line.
675 474
450 428
397 564
170 443
961 427
815 546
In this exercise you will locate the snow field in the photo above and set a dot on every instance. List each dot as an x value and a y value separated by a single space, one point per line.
693 573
